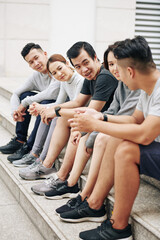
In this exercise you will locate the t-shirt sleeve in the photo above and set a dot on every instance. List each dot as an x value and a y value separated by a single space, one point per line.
48 94
28 85
154 108
105 86
139 104
85 88
130 103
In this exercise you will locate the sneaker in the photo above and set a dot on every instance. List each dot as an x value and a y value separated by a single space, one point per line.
62 190
47 185
107 232
84 213
27 159
35 171
70 205
19 153
11 147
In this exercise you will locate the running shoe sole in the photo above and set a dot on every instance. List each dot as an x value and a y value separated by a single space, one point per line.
86 219
66 195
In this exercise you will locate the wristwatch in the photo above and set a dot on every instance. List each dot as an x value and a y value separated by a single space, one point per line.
105 118
57 109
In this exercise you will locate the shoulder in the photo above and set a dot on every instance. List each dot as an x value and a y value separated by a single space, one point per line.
104 73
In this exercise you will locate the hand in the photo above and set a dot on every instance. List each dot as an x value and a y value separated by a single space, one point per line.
18 117
47 115
75 137
88 151
82 123
35 109
19 113
90 111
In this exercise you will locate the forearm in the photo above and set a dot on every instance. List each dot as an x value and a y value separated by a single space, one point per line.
121 119
128 131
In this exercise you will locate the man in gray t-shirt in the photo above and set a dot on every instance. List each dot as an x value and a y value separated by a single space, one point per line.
47 90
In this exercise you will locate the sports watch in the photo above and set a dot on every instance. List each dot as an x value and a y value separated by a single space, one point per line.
105 117
57 109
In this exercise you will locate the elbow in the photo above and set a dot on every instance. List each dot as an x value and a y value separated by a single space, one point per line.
145 140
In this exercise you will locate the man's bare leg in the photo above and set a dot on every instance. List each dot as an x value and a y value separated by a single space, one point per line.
80 161
68 160
127 180
105 178
58 141
98 152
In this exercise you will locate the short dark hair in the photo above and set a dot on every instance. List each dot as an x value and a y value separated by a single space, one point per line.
28 47
75 50
137 52
105 56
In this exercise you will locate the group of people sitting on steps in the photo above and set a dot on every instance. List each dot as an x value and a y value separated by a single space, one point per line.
108 113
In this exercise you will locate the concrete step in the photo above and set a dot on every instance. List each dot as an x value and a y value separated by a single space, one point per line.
14 222
145 216
6 119
39 209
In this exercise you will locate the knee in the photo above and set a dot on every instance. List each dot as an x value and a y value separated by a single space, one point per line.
101 140
127 152
62 122
47 101
24 95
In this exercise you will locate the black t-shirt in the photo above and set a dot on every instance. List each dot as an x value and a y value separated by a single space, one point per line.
102 88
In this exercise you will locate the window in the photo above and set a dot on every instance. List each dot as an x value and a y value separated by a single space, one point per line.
147 24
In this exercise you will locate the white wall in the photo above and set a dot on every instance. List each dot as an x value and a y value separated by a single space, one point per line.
57 24
115 21
21 21
71 21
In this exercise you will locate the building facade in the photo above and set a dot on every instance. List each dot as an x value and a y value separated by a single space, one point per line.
57 24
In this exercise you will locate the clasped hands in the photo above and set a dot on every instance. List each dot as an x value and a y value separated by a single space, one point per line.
47 114
84 120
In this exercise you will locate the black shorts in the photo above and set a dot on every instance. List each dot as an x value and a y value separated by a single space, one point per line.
150 160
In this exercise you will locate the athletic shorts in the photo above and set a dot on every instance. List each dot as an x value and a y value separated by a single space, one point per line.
150 160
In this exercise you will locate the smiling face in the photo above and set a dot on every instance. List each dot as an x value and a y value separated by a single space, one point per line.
86 66
112 64
61 71
37 60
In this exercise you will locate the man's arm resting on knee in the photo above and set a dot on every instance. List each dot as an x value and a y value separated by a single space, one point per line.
136 130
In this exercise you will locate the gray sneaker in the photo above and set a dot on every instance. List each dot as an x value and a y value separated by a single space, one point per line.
28 159
35 171
47 185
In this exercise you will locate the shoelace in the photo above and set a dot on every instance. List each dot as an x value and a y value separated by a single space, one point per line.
74 201
12 140
33 165
49 180
105 224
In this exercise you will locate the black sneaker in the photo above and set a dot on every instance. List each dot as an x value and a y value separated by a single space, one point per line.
11 147
61 190
19 153
84 213
107 232
70 205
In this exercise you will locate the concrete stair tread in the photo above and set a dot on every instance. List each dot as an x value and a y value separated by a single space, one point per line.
37 206
14 222
6 119
146 210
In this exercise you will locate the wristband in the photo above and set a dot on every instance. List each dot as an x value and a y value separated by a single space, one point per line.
105 118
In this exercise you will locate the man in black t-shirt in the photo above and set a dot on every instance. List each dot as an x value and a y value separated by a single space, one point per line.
98 88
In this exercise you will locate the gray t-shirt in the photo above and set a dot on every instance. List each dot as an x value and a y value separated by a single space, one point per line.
150 104
124 101
46 86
